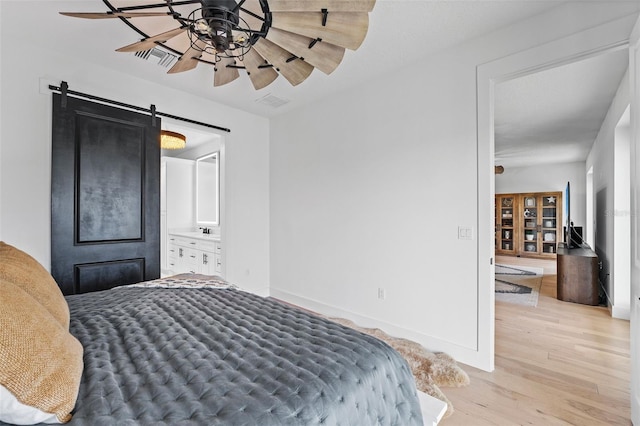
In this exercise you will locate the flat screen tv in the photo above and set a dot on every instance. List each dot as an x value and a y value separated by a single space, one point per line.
568 225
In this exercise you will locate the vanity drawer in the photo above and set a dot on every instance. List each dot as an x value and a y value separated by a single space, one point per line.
190 260
190 255
183 242
207 245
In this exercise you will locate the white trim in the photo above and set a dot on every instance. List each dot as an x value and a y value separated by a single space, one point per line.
621 312
433 409
461 354
262 291
634 88
486 216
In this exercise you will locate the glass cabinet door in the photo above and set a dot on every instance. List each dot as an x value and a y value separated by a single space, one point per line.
540 220
505 215
529 221
549 223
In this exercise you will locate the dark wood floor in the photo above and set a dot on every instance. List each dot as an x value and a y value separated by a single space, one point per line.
559 363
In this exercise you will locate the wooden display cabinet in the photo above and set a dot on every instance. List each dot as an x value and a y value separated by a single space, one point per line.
529 224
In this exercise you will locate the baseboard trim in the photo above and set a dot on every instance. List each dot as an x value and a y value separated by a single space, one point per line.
617 311
263 291
461 354
620 312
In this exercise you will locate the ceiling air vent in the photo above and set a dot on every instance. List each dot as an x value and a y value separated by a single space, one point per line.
272 101
157 56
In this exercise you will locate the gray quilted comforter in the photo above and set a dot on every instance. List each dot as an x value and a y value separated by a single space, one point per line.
156 356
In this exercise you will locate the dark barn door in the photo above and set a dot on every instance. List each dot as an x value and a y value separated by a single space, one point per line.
105 196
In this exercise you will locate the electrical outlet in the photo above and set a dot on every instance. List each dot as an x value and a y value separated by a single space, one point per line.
381 293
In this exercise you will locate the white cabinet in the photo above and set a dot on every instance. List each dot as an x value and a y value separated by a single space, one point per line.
209 257
194 255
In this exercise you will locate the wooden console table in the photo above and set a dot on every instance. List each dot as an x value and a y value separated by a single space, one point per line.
578 274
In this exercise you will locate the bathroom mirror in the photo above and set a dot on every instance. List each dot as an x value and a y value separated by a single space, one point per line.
208 189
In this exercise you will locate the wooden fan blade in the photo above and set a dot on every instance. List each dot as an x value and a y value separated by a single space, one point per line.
110 15
223 74
324 56
150 42
342 29
189 59
318 5
250 12
260 77
295 70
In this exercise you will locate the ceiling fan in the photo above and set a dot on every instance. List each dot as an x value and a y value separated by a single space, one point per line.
263 37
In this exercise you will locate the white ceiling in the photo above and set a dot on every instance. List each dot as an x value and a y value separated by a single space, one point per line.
400 32
554 116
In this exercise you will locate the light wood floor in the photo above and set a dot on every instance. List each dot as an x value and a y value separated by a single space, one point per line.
556 364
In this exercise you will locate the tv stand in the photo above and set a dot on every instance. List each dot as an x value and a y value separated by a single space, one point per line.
577 274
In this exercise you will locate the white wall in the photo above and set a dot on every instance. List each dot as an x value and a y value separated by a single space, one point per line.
549 177
602 158
368 191
179 194
621 297
200 150
369 188
25 144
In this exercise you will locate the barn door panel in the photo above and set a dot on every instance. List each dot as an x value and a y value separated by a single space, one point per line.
105 196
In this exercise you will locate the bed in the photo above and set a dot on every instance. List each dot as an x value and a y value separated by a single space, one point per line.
197 350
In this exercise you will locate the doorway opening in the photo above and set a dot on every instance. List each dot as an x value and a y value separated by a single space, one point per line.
605 38
181 192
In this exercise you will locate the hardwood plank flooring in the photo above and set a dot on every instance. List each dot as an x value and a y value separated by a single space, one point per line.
559 363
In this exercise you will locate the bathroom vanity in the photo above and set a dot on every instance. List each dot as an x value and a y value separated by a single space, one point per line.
193 252
190 201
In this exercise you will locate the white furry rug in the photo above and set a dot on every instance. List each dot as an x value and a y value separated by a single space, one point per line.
431 370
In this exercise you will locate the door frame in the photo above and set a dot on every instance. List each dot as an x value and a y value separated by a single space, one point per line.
634 340
591 42
223 139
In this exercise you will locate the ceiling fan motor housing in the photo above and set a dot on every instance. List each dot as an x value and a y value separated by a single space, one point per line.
221 17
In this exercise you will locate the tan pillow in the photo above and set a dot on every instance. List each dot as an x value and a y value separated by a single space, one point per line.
24 271
40 361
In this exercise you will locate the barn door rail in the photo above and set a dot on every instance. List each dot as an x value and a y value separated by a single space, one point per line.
64 90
